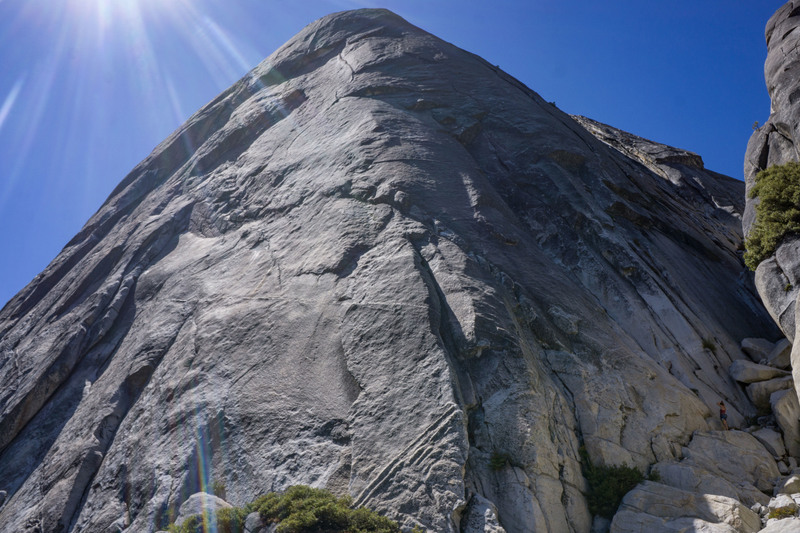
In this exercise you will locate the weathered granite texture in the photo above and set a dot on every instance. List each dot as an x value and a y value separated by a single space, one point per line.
775 143
659 508
374 264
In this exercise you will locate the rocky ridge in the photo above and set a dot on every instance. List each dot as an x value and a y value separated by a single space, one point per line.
371 265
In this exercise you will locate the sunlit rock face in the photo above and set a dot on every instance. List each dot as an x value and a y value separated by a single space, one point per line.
380 265
775 143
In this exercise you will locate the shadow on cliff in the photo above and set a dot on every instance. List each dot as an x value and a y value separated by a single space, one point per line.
29 449
32 456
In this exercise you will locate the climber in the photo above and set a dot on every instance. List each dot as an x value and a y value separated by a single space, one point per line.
723 415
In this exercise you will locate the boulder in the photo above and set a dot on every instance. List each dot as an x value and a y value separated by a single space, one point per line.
200 503
759 509
254 524
786 409
787 525
781 355
791 485
686 476
760 391
734 455
771 440
771 281
658 507
757 349
745 371
782 501
481 517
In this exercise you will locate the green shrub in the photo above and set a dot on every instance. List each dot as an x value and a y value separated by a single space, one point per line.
777 214
499 460
781 513
229 520
709 345
608 485
191 525
300 509
218 489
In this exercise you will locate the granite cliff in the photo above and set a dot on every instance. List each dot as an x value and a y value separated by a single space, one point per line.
775 143
372 265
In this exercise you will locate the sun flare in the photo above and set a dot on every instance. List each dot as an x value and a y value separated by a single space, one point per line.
97 57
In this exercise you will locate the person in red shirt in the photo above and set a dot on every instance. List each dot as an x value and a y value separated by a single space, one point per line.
723 415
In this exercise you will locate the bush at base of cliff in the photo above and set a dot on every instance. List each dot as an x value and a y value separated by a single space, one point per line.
300 509
230 520
608 485
777 213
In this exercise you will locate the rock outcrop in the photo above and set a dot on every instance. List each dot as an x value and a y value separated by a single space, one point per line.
776 143
376 264
656 507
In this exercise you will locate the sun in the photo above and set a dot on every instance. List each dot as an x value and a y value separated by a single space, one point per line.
88 65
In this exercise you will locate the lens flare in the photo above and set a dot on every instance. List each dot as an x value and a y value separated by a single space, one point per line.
8 103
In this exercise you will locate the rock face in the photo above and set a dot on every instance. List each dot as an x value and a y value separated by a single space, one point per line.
656 507
774 143
372 265
749 372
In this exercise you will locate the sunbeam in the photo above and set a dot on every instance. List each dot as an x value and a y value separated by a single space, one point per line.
8 103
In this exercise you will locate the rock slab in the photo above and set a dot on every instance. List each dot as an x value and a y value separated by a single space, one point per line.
749 372
657 507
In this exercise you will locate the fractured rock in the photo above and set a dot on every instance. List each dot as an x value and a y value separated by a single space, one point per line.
781 355
771 440
657 507
790 485
788 525
757 349
760 391
735 455
787 413
749 372
777 278
697 479
480 517
782 501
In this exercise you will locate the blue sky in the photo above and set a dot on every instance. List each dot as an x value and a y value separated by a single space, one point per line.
89 87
